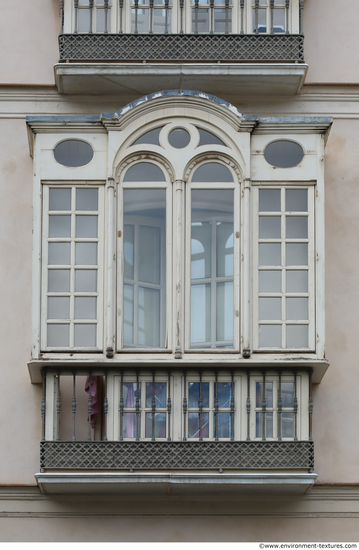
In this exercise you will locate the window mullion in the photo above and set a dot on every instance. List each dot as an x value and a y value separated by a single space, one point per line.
111 267
246 267
178 270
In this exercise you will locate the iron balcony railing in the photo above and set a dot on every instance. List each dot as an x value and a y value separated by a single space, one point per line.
200 48
138 409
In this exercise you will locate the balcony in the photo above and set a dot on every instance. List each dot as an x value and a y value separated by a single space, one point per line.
176 431
255 48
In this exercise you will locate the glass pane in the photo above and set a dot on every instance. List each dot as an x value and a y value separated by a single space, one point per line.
160 394
296 200
202 20
207 138
297 281
160 24
143 20
128 314
160 425
270 254
200 313
224 393
144 253
297 309
59 280
297 336
144 171
85 308
193 394
225 313
297 254
224 249
151 137
224 425
201 248
59 199
128 250
268 394
149 317
149 254
287 424
269 200
287 391
130 393
270 281
86 253
59 253
87 199
270 309
129 425
59 226
73 152
103 23
270 336
193 425
86 226
179 138
297 227
212 171
269 227
83 20
268 424
86 280
222 20
85 336
58 308
58 336
278 21
262 20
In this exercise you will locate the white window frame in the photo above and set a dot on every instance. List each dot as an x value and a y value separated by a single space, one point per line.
99 321
248 21
310 186
302 383
166 185
235 187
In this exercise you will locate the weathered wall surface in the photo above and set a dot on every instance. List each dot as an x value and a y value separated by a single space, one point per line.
29 48
20 401
331 39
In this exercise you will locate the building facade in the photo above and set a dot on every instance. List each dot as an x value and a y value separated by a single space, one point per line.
179 214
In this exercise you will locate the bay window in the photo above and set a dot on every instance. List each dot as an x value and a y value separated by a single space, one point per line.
188 16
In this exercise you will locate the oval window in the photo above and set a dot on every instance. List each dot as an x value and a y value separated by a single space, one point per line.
73 153
283 153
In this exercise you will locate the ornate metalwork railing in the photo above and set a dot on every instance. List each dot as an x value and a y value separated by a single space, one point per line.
148 455
233 48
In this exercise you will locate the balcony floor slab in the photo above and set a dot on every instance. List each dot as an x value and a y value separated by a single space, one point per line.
175 484
220 79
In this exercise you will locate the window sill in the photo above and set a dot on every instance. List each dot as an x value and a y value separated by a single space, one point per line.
259 361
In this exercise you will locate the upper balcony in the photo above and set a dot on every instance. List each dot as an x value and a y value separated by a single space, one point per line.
254 46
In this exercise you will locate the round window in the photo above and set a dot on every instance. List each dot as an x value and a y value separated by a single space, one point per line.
283 153
73 153
179 138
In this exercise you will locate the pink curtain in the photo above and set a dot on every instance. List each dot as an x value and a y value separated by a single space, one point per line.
94 397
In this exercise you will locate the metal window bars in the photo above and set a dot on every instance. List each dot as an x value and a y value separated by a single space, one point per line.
205 17
211 393
95 451
149 17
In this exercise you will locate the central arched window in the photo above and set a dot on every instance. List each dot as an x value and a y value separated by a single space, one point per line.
179 242
150 229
